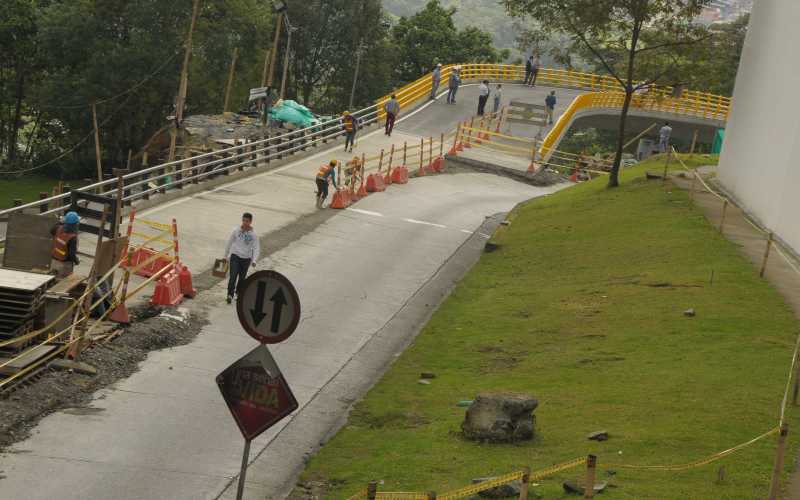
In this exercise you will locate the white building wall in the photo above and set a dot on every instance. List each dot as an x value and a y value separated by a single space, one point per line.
760 163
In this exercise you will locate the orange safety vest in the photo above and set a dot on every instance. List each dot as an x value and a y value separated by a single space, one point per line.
323 171
60 243
348 123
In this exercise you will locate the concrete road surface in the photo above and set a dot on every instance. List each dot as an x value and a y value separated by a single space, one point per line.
368 277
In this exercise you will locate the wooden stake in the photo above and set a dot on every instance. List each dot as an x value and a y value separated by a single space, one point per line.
666 165
430 150
231 74
421 153
455 138
380 162
405 151
694 142
441 145
591 464
775 484
97 153
526 479
274 55
372 490
766 256
724 213
184 82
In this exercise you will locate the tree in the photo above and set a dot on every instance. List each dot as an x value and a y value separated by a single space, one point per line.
617 34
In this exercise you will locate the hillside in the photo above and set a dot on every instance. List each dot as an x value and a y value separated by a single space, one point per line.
488 15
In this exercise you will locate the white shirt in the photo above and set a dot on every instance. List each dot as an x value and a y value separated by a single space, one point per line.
665 132
484 89
243 244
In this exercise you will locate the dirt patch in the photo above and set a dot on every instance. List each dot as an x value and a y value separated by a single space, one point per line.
499 359
391 420
152 329
314 489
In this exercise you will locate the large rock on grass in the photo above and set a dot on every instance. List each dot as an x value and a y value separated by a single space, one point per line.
500 418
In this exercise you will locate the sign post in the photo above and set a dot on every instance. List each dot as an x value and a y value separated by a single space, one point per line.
253 387
258 397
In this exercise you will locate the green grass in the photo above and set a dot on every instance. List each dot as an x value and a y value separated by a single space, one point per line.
26 189
582 307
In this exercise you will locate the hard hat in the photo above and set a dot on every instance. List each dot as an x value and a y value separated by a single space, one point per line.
71 218
439 65
334 163
346 113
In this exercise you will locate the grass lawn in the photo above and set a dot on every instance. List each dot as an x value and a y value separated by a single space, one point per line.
582 307
26 189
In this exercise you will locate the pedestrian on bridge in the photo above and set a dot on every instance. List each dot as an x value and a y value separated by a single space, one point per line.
550 106
483 96
241 252
528 70
498 97
663 137
436 79
535 70
392 108
350 126
452 85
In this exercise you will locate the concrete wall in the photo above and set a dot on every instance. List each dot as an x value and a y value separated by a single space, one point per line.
760 164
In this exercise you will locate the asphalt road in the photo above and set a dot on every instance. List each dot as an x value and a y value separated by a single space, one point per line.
164 433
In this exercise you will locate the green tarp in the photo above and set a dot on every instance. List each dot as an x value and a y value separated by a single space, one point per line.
294 113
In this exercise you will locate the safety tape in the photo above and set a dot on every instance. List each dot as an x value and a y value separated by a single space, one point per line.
151 239
541 474
702 461
399 495
359 495
155 225
483 486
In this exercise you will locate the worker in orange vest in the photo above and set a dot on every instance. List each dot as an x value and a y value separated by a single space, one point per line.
65 245
325 174
350 126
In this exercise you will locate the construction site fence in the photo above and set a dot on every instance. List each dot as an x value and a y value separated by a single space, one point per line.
590 464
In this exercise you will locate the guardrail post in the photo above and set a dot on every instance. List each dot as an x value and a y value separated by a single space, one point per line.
775 484
526 479
145 176
372 490
43 206
591 464
279 147
195 171
766 256
253 154
177 180
161 180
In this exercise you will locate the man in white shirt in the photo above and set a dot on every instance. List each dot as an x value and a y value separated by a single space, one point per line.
483 91
663 136
241 251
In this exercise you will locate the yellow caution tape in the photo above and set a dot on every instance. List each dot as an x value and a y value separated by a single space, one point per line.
359 495
702 461
399 495
150 239
541 474
155 225
477 488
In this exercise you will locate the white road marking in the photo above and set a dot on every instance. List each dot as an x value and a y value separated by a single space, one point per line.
414 221
467 231
365 212
486 236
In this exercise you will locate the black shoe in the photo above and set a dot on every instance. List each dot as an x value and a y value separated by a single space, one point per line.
229 299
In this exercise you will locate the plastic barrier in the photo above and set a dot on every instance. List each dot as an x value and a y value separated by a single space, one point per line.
168 290
341 199
400 175
375 183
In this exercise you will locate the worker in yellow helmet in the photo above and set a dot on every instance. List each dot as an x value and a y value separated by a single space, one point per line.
350 126
326 174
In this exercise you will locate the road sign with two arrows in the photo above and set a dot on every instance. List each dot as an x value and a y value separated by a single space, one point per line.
268 307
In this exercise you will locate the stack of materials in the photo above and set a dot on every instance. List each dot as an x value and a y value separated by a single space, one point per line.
21 300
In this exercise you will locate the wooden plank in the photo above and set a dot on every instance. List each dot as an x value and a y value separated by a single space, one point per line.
24 281
28 242
526 105
68 284
526 122
26 359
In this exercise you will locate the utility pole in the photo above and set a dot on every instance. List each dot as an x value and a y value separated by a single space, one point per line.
266 68
184 83
359 52
230 80
290 29
274 55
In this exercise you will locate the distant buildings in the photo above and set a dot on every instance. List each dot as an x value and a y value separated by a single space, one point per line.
725 11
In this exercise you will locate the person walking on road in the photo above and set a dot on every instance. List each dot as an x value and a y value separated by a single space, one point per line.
326 174
65 245
392 108
350 126
241 252
528 70
535 70
436 79
550 106
498 98
452 85
483 96
663 137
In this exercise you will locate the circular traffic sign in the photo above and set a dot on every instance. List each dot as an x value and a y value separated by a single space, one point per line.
268 307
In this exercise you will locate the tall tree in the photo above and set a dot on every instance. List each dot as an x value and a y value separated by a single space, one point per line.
617 34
